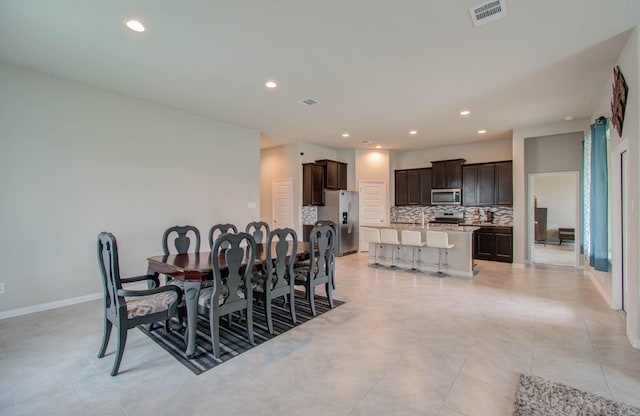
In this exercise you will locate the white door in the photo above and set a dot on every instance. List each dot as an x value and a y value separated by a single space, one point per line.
373 206
282 197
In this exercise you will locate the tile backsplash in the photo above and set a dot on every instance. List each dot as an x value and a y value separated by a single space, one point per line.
501 215
309 215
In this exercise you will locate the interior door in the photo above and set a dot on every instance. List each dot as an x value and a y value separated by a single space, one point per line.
372 205
282 197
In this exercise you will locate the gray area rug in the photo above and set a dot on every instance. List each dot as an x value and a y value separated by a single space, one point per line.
537 396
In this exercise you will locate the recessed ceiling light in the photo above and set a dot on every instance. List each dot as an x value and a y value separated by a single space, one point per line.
345 134
366 141
270 84
413 132
482 131
135 25
568 118
465 112
378 147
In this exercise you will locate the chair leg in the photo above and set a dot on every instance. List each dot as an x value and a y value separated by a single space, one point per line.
267 313
292 307
329 294
250 320
214 323
122 340
105 338
312 303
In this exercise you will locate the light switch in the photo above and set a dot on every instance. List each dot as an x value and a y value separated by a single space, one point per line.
251 205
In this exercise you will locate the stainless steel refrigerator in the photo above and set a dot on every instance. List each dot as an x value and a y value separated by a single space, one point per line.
341 207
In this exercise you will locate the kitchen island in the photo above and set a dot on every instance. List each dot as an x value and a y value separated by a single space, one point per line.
459 260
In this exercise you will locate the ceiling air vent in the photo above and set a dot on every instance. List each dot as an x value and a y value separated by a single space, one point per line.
488 12
308 101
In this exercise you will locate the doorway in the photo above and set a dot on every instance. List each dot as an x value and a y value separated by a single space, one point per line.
554 226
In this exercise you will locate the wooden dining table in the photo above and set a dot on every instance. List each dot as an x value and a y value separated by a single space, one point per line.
193 269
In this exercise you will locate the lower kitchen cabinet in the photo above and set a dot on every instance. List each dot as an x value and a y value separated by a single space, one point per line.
493 243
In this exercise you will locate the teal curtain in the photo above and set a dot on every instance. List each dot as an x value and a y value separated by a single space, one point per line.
599 197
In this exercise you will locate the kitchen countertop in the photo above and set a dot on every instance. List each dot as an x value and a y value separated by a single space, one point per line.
485 224
427 227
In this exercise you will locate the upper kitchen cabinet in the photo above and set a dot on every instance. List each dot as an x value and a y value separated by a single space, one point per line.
446 174
504 183
312 184
402 188
335 174
485 184
478 184
425 186
413 186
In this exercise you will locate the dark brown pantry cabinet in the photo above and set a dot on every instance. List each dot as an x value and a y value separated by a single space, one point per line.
312 184
446 174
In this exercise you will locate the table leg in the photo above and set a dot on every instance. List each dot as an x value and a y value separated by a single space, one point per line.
191 292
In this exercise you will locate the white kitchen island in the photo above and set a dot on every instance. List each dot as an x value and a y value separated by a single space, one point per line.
458 261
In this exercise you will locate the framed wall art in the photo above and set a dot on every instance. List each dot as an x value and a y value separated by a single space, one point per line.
619 100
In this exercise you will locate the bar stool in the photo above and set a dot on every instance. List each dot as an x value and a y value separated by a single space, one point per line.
439 240
390 236
413 239
372 236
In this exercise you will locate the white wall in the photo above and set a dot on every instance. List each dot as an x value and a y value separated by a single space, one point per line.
479 152
557 193
629 62
280 162
77 160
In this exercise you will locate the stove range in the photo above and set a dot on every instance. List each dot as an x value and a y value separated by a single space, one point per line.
443 217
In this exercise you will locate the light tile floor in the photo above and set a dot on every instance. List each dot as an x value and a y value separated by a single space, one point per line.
403 344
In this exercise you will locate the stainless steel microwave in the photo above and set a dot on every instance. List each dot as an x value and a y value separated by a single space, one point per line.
446 196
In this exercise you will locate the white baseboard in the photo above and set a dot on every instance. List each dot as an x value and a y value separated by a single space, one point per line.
50 305
518 265
602 292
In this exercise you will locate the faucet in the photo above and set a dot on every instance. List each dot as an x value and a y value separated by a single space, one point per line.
422 212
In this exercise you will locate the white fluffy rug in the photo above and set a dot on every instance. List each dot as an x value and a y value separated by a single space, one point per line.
540 397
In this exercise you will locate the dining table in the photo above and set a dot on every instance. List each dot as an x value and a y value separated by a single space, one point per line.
195 268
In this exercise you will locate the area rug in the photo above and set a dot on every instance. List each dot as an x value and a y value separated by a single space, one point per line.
233 341
540 397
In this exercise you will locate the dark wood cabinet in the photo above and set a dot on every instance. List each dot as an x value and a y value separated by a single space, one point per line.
425 186
504 183
335 174
413 186
312 184
402 188
493 243
414 192
485 184
446 174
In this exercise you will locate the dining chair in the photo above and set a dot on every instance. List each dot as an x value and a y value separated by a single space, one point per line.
276 281
321 242
181 244
124 308
259 230
219 229
332 267
232 291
